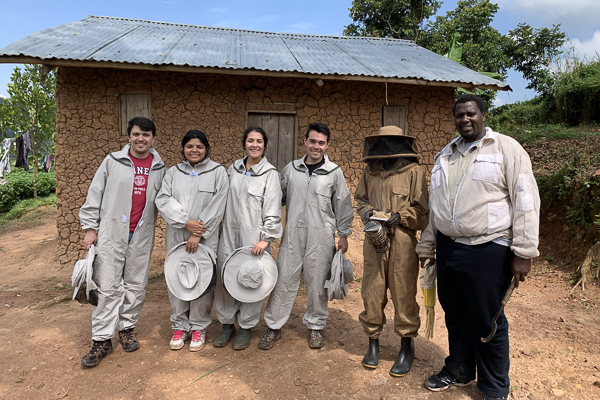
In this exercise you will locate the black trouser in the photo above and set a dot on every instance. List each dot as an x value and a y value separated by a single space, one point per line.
472 281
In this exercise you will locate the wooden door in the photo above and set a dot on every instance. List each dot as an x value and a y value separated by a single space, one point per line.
281 131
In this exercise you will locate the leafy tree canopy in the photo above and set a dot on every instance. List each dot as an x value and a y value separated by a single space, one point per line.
398 19
484 49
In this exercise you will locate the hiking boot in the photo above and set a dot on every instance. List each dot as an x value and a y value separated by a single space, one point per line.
371 359
405 357
315 339
486 397
267 341
178 340
99 350
128 340
225 335
242 340
198 339
442 381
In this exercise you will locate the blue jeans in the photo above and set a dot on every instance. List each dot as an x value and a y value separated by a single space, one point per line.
130 236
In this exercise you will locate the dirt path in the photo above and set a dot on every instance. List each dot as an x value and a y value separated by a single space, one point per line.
555 351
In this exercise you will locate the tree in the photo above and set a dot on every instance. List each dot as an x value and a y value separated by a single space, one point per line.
483 46
484 49
398 19
6 116
532 52
33 108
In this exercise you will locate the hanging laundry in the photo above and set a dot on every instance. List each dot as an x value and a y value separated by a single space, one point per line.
5 160
23 149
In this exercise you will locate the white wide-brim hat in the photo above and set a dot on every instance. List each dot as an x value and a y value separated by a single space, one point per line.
249 278
190 276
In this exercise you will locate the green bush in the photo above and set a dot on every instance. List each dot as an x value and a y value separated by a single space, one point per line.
578 94
19 186
577 193
519 113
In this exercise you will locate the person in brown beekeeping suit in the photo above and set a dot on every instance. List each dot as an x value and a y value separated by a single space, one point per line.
392 190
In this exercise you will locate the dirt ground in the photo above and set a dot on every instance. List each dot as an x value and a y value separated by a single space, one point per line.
554 341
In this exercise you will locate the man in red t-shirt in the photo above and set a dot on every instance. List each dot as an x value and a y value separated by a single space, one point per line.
119 216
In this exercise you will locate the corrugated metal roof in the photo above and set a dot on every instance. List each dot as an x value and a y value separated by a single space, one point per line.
130 42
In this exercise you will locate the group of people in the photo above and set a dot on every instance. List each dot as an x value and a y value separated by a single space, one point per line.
479 220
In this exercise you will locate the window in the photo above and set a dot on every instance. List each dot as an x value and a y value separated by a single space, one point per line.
394 115
133 105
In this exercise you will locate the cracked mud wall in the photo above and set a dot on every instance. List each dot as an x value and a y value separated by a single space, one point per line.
87 123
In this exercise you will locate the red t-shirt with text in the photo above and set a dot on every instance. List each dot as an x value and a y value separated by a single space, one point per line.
140 183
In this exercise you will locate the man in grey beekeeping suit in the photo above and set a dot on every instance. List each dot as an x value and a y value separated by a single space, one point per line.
318 202
119 216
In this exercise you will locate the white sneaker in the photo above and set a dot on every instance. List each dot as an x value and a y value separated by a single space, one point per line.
198 339
179 337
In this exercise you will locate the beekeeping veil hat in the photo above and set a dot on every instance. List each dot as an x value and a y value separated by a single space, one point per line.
390 142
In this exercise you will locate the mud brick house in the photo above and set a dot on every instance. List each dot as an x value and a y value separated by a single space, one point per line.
222 80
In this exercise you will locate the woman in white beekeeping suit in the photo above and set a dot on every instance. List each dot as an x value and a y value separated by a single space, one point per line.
192 201
252 218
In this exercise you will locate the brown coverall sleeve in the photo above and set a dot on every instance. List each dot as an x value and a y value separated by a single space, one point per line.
361 197
416 215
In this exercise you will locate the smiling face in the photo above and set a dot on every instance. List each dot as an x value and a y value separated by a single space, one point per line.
254 146
194 151
140 141
316 146
469 121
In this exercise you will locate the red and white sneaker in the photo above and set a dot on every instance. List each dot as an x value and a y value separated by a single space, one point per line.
198 339
178 339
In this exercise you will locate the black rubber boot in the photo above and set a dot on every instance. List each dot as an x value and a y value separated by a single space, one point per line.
405 358
371 359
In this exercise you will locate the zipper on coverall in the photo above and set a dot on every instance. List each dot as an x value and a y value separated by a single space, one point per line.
460 185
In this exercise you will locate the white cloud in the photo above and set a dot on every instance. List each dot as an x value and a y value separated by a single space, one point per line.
553 10
498 102
577 17
225 23
263 23
268 18
302 27
588 50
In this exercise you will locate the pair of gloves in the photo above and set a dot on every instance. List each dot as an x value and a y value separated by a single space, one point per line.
393 222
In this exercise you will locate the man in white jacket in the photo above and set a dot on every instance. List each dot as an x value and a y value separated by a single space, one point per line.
119 216
317 203
483 231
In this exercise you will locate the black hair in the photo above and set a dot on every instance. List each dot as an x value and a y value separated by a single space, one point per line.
195 134
143 123
318 127
470 97
255 129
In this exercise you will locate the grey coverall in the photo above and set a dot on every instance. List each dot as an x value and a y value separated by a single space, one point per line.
193 193
253 213
120 268
317 205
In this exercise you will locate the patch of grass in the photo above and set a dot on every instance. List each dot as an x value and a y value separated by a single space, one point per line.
62 286
531 133
22 207
159 276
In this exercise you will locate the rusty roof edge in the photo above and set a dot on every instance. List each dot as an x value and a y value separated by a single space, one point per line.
245 71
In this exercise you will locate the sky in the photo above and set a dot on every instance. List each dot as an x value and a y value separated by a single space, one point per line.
579 19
